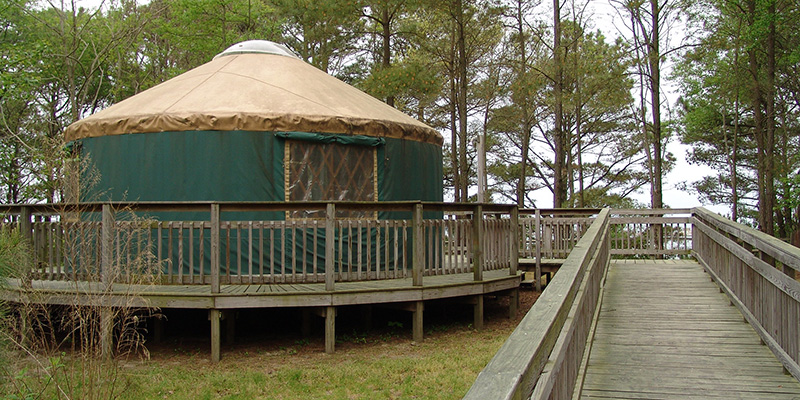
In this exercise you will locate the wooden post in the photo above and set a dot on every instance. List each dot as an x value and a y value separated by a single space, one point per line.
330 236
513 303
107 278
367 316
214 315
107 246
514 241
478 312
418 238
305 329
477 243
417 321
158 329
106 332
330 329
538 273
215 248
230 326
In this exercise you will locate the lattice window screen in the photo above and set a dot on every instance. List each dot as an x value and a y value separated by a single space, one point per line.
329 171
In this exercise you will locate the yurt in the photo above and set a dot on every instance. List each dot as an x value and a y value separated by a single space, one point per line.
257 123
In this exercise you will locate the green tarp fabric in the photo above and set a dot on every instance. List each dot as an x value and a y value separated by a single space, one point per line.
355 140
246 166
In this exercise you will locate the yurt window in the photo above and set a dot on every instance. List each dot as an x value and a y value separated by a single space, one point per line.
329 171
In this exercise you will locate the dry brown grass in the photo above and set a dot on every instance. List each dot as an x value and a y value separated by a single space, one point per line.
372 365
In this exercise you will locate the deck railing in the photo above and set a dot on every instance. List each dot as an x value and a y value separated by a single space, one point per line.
647 233
233 246
552 233
743 262
543 356
251 250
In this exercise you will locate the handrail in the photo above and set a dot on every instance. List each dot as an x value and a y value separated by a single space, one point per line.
244 206
214 245
658 232
553 333
768 298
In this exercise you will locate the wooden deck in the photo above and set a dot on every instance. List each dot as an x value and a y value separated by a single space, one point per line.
267 295
665 331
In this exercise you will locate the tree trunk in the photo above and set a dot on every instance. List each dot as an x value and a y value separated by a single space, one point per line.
453 124
526 125
559 167
734 158
769 162
386 24
462 99
761 132
654 57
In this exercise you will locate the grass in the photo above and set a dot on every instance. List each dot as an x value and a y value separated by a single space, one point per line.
375 364
441 367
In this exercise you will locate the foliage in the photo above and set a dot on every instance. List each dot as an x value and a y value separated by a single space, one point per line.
739 108
469 68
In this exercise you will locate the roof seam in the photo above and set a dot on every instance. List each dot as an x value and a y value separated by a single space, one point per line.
280 88
198 85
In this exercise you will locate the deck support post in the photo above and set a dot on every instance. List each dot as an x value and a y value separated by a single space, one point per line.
417 321
477 242
478 313
330 236
513 303
106 332
26 230
305 324
366 314
107 275
214 315
230 326
418 237
537 275
215 227
330 329
158 329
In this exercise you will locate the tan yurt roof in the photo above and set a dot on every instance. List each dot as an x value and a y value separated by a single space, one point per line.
254 86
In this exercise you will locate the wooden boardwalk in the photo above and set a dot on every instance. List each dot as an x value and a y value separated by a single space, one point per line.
666 332
265 295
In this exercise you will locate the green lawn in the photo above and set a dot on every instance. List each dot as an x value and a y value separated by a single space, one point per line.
377 365
441 367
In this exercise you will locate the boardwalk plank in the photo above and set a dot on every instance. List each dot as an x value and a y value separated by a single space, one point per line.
666 332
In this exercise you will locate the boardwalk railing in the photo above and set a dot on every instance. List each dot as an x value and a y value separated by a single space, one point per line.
245 243
543 355
646 233
550 234
742 261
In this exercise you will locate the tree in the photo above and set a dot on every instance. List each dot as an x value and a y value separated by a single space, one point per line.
17 104
457 35
603 163
649 23
750 100
559 137
322 32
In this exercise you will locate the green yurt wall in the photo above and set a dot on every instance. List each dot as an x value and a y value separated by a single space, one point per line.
257 124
